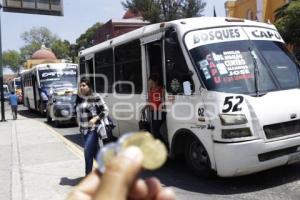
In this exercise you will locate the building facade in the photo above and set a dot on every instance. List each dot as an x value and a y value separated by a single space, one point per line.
260 10
114 28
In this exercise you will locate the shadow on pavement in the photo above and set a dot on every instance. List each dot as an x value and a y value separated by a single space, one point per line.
175 173
30 114
75 138
70 181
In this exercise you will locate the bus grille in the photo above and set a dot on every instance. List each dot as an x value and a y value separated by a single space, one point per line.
282 129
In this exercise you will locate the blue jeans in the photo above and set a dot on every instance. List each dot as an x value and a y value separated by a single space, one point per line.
91 147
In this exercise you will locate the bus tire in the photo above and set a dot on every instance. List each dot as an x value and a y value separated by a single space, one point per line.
197 157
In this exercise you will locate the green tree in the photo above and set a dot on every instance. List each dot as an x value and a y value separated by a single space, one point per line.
36 37
86 39
165 10
288 24
12 59
61 49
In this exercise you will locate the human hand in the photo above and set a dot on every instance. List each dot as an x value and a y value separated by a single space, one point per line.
119 181
93 121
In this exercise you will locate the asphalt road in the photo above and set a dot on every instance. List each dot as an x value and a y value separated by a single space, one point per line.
281 183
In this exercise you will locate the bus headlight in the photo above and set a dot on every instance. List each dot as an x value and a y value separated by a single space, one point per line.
236 133
228 119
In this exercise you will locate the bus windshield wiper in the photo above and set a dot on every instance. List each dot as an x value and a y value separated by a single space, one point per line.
256 71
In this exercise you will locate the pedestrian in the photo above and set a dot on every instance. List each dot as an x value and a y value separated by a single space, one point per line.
13 102
120 181
91 110
156 102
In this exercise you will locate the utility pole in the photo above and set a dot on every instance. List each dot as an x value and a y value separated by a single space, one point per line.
1 75
55 8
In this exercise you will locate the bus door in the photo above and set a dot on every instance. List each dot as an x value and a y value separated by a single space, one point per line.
35 91
153 46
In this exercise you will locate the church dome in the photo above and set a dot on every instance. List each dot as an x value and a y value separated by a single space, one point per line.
43 53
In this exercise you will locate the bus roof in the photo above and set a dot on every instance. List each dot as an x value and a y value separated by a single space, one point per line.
182 26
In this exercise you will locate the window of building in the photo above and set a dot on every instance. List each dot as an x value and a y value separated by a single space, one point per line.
250 15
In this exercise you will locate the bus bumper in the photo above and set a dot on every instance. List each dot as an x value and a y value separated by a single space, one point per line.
237 159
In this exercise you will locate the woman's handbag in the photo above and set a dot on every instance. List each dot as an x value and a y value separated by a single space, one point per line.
144 124
109 126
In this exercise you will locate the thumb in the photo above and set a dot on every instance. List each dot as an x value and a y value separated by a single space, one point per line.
119 174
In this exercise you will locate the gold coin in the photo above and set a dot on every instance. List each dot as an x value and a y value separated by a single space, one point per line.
154 151
106 154
155 154
135 139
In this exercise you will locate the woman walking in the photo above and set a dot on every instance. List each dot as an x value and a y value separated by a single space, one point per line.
91 110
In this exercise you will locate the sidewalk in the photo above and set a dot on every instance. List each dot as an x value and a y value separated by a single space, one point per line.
36 162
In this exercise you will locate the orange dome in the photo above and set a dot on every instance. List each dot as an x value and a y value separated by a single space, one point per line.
43 54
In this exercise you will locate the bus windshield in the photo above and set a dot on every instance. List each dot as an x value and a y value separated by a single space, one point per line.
17 84
246 66
58 77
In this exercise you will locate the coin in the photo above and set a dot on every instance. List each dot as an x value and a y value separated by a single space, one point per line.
154 151
135 139
106 154
155 154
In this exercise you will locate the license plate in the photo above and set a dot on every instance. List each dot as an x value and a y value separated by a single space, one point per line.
294 158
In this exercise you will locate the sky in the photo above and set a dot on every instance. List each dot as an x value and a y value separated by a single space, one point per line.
79 15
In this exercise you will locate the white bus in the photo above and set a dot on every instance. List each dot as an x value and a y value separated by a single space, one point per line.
231 90
40 81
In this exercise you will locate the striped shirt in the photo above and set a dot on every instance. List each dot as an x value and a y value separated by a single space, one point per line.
88 108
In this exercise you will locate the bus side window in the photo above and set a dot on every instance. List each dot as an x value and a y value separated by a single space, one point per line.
128 68
177 70
104 71
90 67
82 66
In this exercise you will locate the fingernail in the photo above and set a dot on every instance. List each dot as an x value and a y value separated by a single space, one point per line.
133 153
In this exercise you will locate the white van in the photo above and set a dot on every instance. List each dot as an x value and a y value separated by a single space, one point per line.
231 90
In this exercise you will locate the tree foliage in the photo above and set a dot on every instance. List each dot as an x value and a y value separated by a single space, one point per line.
288 24
165 10
86 39
12 59
36 37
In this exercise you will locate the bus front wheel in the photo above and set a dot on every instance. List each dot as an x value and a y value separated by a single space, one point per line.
197 157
